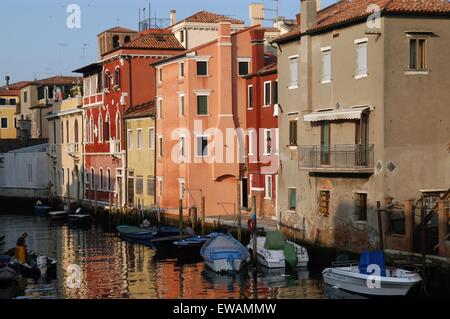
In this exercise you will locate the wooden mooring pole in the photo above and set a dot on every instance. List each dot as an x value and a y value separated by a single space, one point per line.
238 212
180 221
95 198
203 215
254 251
380 227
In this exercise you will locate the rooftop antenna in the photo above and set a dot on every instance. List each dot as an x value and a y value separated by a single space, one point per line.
83 52
276 10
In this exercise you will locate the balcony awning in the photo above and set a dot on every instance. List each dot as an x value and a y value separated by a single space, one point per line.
353 113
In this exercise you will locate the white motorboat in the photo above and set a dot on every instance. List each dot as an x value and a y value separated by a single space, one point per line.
276 258
389 282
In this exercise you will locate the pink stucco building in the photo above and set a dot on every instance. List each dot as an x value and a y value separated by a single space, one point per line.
200 99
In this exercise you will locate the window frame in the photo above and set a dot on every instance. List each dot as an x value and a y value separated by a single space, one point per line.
266 143
290 190
293 83
181 105
250 97
202 136
139 141
326 65
129 139
1 123
268 187
358 207
197 67
151 138
424 55
267 94
293 138
361 43
247 61
206 96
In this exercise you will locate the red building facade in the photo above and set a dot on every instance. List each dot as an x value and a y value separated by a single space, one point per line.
262 132
122 79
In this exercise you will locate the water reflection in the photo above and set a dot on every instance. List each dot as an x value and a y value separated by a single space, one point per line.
112 268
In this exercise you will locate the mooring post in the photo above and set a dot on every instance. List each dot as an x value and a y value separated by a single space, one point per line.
203 215
423 240
254 251
180 221
194 218
238 212
380 227
95 198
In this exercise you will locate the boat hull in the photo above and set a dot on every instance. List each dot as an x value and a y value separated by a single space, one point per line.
58 215
361 284
42 210
224 265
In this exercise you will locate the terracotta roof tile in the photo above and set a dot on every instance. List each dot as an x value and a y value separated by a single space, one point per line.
119 30
209 17
347 11
140 111
13 89
61 80
161 40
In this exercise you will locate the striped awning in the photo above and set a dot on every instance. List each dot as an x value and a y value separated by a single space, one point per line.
353 113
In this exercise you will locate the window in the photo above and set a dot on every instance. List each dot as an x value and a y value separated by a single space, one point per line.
106 129
62 132
267 142
182 188
91 130
25 96
160 146
293 133
181 70
243 68
151 138
275 92
150 186
106 80
417 54
251 143
324 203
250 97
92 179
160 75
62 176
202 146
267 93
326 65
139 185
127 39
54 132
139 138
293 65
100 128
160 108
75 131
41 93
202 105
361 207
268 187
109 181
67 132
202 68
182 36
182 146
118 126
100 179
2 101
98 79
292 193
117 77
115 41
130 139
12 102
181 105
4 122
396 222
361 59
325 143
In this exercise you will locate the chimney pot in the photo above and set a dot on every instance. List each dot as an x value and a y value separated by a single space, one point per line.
173 17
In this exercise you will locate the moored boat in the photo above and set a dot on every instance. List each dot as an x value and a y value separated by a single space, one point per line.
190 244
79 217
371 277
41 209
56 215
146 233
223 253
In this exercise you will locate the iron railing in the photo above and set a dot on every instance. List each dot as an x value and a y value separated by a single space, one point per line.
73 148
348 157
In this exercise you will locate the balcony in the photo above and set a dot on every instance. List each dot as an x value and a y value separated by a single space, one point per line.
337 158
73 149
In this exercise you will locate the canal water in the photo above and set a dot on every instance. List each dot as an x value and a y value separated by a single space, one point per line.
95 263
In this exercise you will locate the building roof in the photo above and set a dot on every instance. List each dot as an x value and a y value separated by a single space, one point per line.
57 80
209 17
185 52
266 70
89 69
155 40
8 145
346 11
141 111
119 29
13 89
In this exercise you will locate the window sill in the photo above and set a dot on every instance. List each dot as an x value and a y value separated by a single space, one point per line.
202 76
417 72
266 106
203 115
360 76
291 211
293 87
325 81
268 198
249 109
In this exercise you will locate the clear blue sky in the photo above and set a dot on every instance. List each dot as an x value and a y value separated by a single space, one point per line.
36 43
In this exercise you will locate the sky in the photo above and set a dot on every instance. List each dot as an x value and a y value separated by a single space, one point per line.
37 43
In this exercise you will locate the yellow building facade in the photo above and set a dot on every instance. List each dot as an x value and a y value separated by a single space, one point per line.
8 104
140 132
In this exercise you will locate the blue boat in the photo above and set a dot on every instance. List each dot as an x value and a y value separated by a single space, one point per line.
42 210
191 244
146 233
223 253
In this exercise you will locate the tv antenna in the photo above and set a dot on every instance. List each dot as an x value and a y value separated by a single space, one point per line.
276 9
83 52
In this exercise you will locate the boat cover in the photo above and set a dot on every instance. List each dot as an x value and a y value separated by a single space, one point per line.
290 254
275 240
221 246
372 258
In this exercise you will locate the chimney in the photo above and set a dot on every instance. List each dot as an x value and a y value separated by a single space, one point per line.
225 67
308 13
7 80
257 40
173 17
224 31
256 13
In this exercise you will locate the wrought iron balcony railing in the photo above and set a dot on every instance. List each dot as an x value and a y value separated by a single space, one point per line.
346 158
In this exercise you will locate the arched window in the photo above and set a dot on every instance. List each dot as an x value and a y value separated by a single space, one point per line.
92 179
75 131
117 77
118 135
109 180
100 179
62 176
86 130
91 130
106 129
127 39
67 132
115 41
54 132
106 80
100 128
